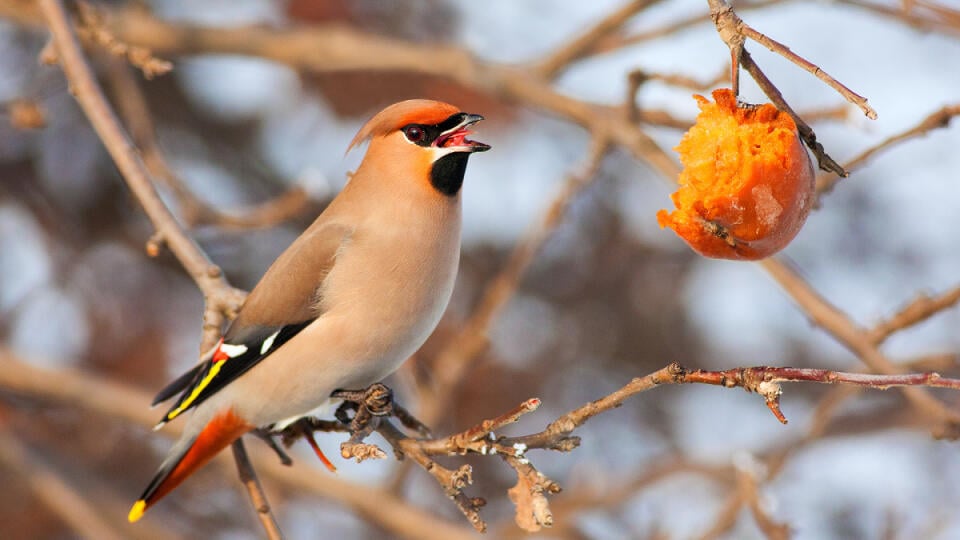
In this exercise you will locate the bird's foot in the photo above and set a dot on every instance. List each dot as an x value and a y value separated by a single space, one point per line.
376 401
360 414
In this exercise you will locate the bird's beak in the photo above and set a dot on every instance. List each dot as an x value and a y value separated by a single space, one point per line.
456 137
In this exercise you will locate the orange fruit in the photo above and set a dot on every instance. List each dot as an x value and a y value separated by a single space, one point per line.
747 183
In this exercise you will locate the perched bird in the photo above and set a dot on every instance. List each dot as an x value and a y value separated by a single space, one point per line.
354 296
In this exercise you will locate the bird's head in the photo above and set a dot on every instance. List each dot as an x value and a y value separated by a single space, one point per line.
429 136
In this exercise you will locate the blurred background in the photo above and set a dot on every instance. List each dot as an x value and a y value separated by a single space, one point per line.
608 296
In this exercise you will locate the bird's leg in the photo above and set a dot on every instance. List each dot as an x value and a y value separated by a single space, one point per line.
267 437
375 400
302 428
410 421
370 406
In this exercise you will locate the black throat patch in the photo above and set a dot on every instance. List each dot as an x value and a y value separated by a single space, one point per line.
447 173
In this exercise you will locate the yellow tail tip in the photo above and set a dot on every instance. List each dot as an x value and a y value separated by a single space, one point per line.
137 511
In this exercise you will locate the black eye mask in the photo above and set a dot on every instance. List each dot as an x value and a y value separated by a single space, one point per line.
424 134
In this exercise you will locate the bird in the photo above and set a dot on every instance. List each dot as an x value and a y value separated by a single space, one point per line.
346 303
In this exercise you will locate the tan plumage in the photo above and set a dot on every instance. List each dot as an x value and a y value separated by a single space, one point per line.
347 302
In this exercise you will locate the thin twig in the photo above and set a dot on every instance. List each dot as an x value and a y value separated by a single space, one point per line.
856 339
84 87
936 120
576 48
784 51
615 43
91 30
733 30
480 438
807 135
921 309
730 28
132 106
220 296
914 18
750 493
726 518
251 483
636 79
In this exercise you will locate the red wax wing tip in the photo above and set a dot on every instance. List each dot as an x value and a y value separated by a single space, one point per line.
316 450
219 355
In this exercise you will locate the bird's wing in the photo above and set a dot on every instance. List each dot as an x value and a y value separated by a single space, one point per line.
285 301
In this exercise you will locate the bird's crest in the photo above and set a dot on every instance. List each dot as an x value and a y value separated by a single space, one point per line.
412 111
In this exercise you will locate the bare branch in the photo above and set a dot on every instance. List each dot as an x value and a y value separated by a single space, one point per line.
750 493
937 120
91 30
574 49
529 494
255 491
817 72
136 115
734 31
934 21
726 518
807 135
220 296
731 30
921 309
614 43
856 339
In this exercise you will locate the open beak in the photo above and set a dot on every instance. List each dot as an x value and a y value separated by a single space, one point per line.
457 136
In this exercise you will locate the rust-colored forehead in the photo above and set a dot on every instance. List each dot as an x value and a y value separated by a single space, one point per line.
412 111
416 111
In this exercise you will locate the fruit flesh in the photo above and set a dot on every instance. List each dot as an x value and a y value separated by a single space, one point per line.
747 184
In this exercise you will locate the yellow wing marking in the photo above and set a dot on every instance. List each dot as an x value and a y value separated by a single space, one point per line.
214 370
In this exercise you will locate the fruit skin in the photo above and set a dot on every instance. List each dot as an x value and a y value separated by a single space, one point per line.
747 184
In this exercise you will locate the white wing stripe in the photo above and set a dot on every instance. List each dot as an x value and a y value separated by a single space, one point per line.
267 343
233 351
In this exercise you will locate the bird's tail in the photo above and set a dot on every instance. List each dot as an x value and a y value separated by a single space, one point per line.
188 455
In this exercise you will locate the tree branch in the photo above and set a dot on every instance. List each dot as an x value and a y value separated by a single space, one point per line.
858 341
219 295
574 49
529 495
921 309
936 120
136 115
248 477
124 402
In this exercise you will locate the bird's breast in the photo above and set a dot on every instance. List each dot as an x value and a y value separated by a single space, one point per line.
393 281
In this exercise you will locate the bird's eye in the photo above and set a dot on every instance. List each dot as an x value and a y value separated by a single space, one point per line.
414 134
